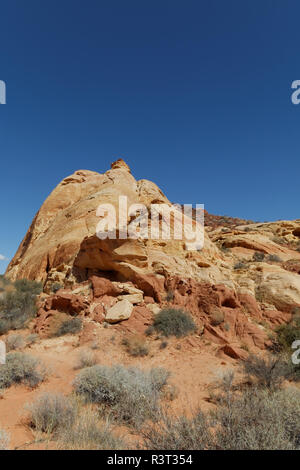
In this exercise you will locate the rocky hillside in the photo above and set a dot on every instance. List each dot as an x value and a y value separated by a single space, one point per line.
243 283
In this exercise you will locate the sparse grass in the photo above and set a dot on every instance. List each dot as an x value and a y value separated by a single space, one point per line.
130 395
69 327
51 411
21 368
174 322
136 345
4 440
14 342
89 433
85 358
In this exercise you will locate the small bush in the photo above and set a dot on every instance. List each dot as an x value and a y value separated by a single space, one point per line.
258 420
258 256
288 333
18 306
4 440
88 433
240 265
136 346
86 358
267 372
217 317
178 433
130 394
31 339
51 411
170 296
173 322
56 286
70 326
274 259
21 368
15 342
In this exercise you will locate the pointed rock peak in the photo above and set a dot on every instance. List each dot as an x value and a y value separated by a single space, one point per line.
120 164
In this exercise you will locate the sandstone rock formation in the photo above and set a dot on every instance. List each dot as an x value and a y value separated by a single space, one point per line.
119 279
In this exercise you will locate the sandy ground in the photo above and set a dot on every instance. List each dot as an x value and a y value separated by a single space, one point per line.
193 362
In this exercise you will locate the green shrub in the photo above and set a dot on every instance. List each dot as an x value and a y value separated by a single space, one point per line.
174 322
21 368
288 333
70 326
51 411
18 307
56 286
130 394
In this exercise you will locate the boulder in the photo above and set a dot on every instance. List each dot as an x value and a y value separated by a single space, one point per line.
119 312
2 352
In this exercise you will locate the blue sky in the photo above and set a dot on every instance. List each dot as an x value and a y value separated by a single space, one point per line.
194 95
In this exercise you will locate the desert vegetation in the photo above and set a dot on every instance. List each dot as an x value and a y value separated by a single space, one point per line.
21 368
173 322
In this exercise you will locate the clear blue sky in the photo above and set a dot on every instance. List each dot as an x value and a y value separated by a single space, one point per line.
193 94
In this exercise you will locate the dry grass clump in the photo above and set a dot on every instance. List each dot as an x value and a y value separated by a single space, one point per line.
51 411
14 342
69 326
88 432
216 317
4 440
136 345
129 395
21 368
85 358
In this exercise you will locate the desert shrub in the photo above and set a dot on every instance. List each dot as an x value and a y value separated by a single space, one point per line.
240 265
32 338
163 345
178 433
170 296
88 433
258 420
288 333
18 307
268 372
50 411
174 322
15 342
85 358
217 317
130 394
136 346
4 440
274 259
69 326
56 286
258 256
21 368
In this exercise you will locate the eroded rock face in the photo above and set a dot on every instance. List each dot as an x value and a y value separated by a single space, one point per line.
61 244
